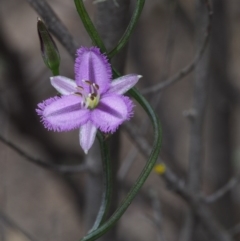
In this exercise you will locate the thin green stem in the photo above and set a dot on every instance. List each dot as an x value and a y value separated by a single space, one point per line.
142 101
88 24
123 41
142 177
107 173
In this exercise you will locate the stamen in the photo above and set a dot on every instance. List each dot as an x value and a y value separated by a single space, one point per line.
79 88
96 86
91 88
78 93
90 100
87 82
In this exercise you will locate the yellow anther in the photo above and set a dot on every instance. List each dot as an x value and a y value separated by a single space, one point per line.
160 168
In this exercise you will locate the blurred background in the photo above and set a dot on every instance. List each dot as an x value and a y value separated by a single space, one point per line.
199 113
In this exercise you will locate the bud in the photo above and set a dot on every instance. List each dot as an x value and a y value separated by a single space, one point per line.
49 49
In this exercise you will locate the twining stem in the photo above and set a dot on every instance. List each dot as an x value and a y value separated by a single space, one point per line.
124 39
107 173
143 102
142 177
89 26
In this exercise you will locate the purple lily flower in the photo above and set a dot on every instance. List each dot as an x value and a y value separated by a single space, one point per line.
90 102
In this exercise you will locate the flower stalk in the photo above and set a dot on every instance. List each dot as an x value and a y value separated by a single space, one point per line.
94 102
142 177
94 234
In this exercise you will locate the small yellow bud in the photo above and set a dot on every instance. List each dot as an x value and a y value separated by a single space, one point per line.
160 168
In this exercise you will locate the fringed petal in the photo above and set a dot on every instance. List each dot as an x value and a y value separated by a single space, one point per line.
63 113
111 112
92 65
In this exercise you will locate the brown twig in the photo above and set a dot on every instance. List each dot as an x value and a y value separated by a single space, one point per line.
55 25
197 121
145 124
198 208
157 214
222 191
65 169
179 187
10 222
187 69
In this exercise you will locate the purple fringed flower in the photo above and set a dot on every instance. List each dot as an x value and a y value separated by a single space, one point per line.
90 102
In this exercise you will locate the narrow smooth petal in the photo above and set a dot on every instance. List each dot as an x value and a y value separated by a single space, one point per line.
63 85
63 114
111 112
92 65
87 135
123 84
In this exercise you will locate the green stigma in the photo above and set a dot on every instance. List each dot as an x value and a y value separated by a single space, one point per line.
92 101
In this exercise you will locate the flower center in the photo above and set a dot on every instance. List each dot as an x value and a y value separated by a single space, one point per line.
90 100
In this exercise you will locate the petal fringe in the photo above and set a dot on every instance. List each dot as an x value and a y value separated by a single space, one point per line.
63 113
111 112
92 65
